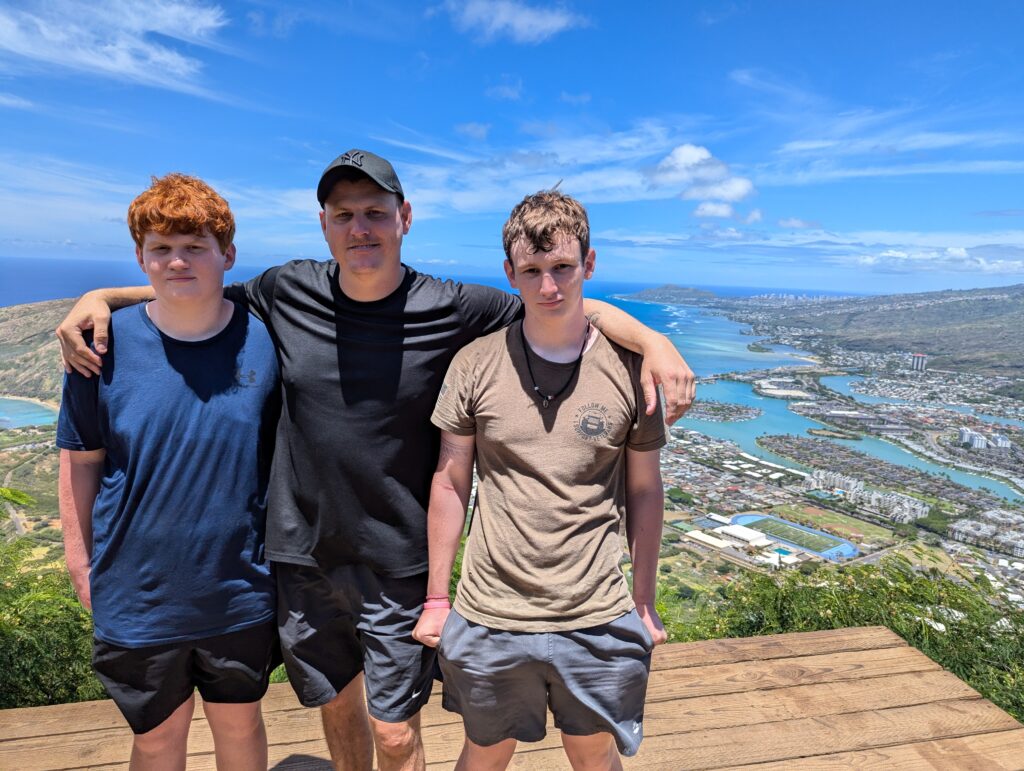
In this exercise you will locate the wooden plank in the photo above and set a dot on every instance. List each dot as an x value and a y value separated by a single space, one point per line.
781 741
59 718
698 654
1002 751
802 701
69 718
783 673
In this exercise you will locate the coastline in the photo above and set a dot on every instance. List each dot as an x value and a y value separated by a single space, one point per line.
55 406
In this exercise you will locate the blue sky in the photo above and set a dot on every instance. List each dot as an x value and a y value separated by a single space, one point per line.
816 145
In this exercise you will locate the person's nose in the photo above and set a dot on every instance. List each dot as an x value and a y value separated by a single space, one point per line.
548 287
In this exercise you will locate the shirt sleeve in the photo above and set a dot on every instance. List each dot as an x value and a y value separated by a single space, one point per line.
487 309
255 295
454 410
78 425
649 432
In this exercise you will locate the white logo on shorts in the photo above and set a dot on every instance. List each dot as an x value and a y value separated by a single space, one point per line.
416 695
636 727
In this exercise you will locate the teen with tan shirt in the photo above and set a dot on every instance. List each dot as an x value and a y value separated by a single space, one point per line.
565 454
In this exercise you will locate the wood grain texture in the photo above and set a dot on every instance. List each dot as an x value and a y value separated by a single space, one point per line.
848 698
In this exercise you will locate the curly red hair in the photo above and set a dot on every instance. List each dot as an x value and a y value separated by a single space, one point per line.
178 203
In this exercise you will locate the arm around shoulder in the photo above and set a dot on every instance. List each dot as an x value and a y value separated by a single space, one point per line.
92 311
662 363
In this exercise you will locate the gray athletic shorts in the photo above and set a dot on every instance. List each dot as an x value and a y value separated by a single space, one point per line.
594 680
337 623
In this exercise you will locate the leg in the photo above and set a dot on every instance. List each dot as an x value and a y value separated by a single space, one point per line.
164 748
239 736
347 729
399 745
592 753
474 757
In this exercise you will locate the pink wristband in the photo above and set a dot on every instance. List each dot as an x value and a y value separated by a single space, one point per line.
436 597
431 604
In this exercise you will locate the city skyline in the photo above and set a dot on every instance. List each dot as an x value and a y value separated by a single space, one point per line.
870 149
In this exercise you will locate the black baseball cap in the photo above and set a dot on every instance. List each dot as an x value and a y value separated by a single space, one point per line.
355 164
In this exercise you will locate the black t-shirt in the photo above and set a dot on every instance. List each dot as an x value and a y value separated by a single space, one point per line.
355 448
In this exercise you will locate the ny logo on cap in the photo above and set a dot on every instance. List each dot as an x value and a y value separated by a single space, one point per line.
355 159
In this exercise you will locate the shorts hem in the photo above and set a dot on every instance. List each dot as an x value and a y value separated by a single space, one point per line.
325 698
626 750
394 715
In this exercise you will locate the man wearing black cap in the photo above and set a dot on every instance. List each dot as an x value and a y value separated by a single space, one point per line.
364 343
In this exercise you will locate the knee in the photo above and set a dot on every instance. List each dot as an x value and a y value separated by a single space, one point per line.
234 722
394 739
168 737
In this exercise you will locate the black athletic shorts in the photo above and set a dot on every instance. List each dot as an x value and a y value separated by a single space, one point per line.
339 622
148 684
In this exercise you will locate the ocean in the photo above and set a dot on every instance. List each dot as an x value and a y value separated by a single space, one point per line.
711 345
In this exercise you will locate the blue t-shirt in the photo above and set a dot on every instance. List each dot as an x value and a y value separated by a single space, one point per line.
177 527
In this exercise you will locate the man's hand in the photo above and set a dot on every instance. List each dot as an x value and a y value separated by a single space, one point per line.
664 366
80 580
428 628
650 618
90 312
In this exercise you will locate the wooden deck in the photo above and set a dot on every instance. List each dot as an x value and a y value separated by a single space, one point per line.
850 698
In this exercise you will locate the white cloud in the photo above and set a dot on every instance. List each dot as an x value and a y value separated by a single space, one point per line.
511 90
702 176
710 209
119 39
14 102
521 23
796 222
576 99
731 189
477 131
754 216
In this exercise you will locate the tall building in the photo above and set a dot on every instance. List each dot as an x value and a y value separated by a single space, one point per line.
918 362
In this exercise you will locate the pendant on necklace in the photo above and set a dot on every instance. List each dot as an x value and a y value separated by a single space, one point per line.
544 403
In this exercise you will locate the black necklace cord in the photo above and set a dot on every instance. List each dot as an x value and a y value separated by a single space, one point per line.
546 400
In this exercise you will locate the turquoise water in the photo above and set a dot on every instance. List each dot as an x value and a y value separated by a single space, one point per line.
711 344
842 383
778 419
15 413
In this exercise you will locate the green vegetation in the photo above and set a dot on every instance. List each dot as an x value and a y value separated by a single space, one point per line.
803 539
836 523
936 522
681 497
1014 390
45 635
947 325
964 626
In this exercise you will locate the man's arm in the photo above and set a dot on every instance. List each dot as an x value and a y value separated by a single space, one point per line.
446 518
662 363
78 485
645 512
92 311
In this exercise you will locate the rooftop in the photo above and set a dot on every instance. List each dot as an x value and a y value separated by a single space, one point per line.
847 698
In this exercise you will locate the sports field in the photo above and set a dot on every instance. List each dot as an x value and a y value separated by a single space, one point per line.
815 542
837 524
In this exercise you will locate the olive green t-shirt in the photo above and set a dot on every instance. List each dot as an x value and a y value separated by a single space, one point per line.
545 543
